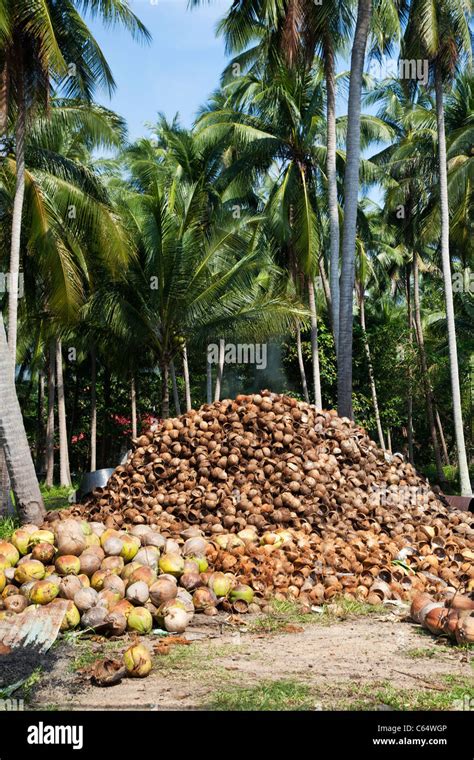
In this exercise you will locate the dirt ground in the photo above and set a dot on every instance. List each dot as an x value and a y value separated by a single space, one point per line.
378 661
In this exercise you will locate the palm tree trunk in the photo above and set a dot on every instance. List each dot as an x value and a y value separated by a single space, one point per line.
16 226
329 63
174 385
49 452
314 346
165 390
187 385
6 504
299 353
439 425
93 464
351 194
14 443
39 421
389 440
464 480
326 286
133 399
370 368
220 370
424 369
410 373
64 472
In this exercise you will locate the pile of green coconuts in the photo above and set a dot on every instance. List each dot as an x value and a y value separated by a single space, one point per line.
114 581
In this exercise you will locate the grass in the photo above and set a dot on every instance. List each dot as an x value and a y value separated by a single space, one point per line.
57 497
7 526
268 695
89 654
289 613
456 692
421 653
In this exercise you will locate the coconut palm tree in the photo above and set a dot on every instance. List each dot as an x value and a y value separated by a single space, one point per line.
440 33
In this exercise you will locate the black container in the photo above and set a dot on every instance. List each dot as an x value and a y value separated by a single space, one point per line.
91 480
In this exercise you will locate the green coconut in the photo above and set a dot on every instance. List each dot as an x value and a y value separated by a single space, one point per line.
71 619
20 539
31 570
140 620
3 581
172 564
241 591
43 592
40 537
137 661
68 564
131 545
43 552
9 552
201 562
221 584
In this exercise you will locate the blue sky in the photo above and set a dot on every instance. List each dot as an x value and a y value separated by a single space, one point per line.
176 72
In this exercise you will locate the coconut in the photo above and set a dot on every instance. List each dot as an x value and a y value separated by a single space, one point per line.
43 592
139 531
148 555
137 661
86 528
130 547
98 578
9 590
84 580
176 620
70 585
204 597
40 537
43 552
195 546
129 569
114 564
94 618
97 528
153 539
113 546
124 607
465 629
241 591
108 599
10 574
15 603
138 593
190 566
70 537
30 570
116 623
4 563
201 562
190 581
108 533
20 539
163 590
220 584
25 588
9 552
116 584
3 581
89 564
143 573
71 619
171 547
92 541
95 551
85 599
68 564
172 564
140 620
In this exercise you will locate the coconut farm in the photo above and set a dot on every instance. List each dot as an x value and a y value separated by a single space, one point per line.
222 511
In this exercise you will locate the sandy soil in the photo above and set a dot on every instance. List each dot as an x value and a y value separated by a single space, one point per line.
336 661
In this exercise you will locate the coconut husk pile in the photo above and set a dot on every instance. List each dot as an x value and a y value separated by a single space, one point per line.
296 502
